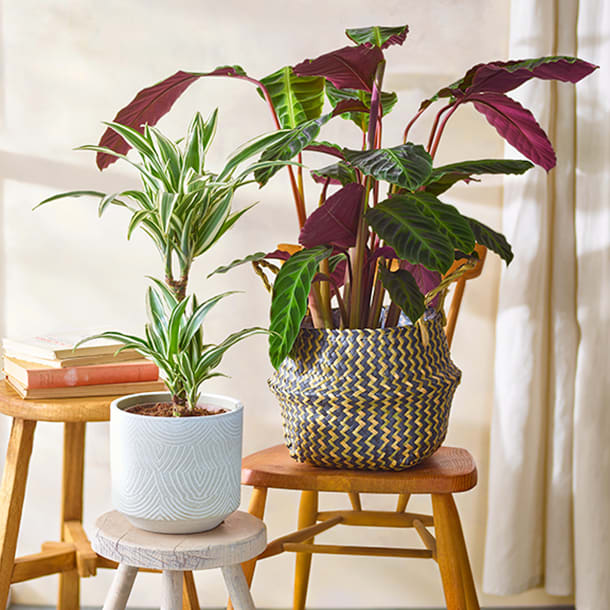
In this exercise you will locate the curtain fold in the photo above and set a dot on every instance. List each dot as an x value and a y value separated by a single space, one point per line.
549 490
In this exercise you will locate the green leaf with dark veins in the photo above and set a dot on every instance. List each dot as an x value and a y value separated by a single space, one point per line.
408 165
294 141
444 177
380 36
491 239
289 300
413 233
338 171
403 291
296 99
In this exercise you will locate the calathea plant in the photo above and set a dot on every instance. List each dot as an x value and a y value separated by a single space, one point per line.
382 225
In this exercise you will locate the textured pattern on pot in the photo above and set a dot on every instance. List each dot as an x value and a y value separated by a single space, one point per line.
375 399
173 474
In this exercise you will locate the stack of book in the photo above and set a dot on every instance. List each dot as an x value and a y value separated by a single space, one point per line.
48 367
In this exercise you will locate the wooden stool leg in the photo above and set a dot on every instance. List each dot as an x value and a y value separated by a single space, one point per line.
308 511
11 497
238 587
190 600
172 590
258 501
452 557
71 505
119 591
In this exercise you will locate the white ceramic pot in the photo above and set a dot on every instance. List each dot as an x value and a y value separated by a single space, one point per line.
175 475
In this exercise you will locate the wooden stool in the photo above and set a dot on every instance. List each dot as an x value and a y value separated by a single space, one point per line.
448 471
239 538
72 556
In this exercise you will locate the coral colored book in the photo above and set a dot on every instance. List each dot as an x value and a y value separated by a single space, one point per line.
84 391
32 375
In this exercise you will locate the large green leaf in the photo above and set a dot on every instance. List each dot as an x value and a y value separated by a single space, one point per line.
408 165
444 177
447 217
414 233
338 171
403 291
379 36
491 239
289 300
296 99
287 147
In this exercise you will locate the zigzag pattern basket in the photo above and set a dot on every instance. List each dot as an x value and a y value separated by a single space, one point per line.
375 399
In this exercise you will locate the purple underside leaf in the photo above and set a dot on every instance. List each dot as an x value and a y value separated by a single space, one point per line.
349 106
280 255
503 76
349 67
150 104
336 221
516 125
328 149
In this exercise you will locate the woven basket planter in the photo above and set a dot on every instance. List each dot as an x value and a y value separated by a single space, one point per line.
375 399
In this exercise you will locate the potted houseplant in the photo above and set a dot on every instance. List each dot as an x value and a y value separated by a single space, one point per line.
176 456
360 390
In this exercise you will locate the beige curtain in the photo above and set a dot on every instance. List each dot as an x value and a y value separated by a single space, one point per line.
549 491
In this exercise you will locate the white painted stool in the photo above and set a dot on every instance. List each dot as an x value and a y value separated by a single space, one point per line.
239 538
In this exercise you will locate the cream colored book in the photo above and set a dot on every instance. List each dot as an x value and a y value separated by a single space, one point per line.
108 389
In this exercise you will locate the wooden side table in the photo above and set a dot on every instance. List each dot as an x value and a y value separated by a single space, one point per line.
239 538
72 557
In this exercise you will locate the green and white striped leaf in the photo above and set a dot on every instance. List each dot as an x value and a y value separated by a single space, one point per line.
289 299
408 165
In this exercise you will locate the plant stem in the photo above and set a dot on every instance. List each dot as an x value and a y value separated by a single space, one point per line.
325 294
439 133
410 124
435 124
377 302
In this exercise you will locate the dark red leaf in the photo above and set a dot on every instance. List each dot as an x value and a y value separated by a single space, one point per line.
349 106
349 67
150 104
326 148
281 255
336 221
516 125
426 280
503 76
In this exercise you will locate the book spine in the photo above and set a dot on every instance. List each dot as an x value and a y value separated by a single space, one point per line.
91 375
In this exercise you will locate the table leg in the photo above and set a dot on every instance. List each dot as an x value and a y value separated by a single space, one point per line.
71 505
119 591
11 497
190 600
238 587
172 590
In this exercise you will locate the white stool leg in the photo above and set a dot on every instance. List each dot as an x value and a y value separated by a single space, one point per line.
117 596
238 587
172 590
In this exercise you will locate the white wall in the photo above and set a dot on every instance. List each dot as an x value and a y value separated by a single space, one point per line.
69 64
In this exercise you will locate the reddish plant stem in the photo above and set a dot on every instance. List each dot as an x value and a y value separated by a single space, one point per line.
410 124
439 133
435 124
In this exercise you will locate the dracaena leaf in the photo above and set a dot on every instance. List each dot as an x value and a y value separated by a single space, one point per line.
293 142
335 222
407 165
289 300
296 99
414 234
491 239
149 105
445 176
516 125
338 173
403 291
378 36
350 67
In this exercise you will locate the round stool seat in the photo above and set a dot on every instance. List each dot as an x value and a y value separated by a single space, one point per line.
240 537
